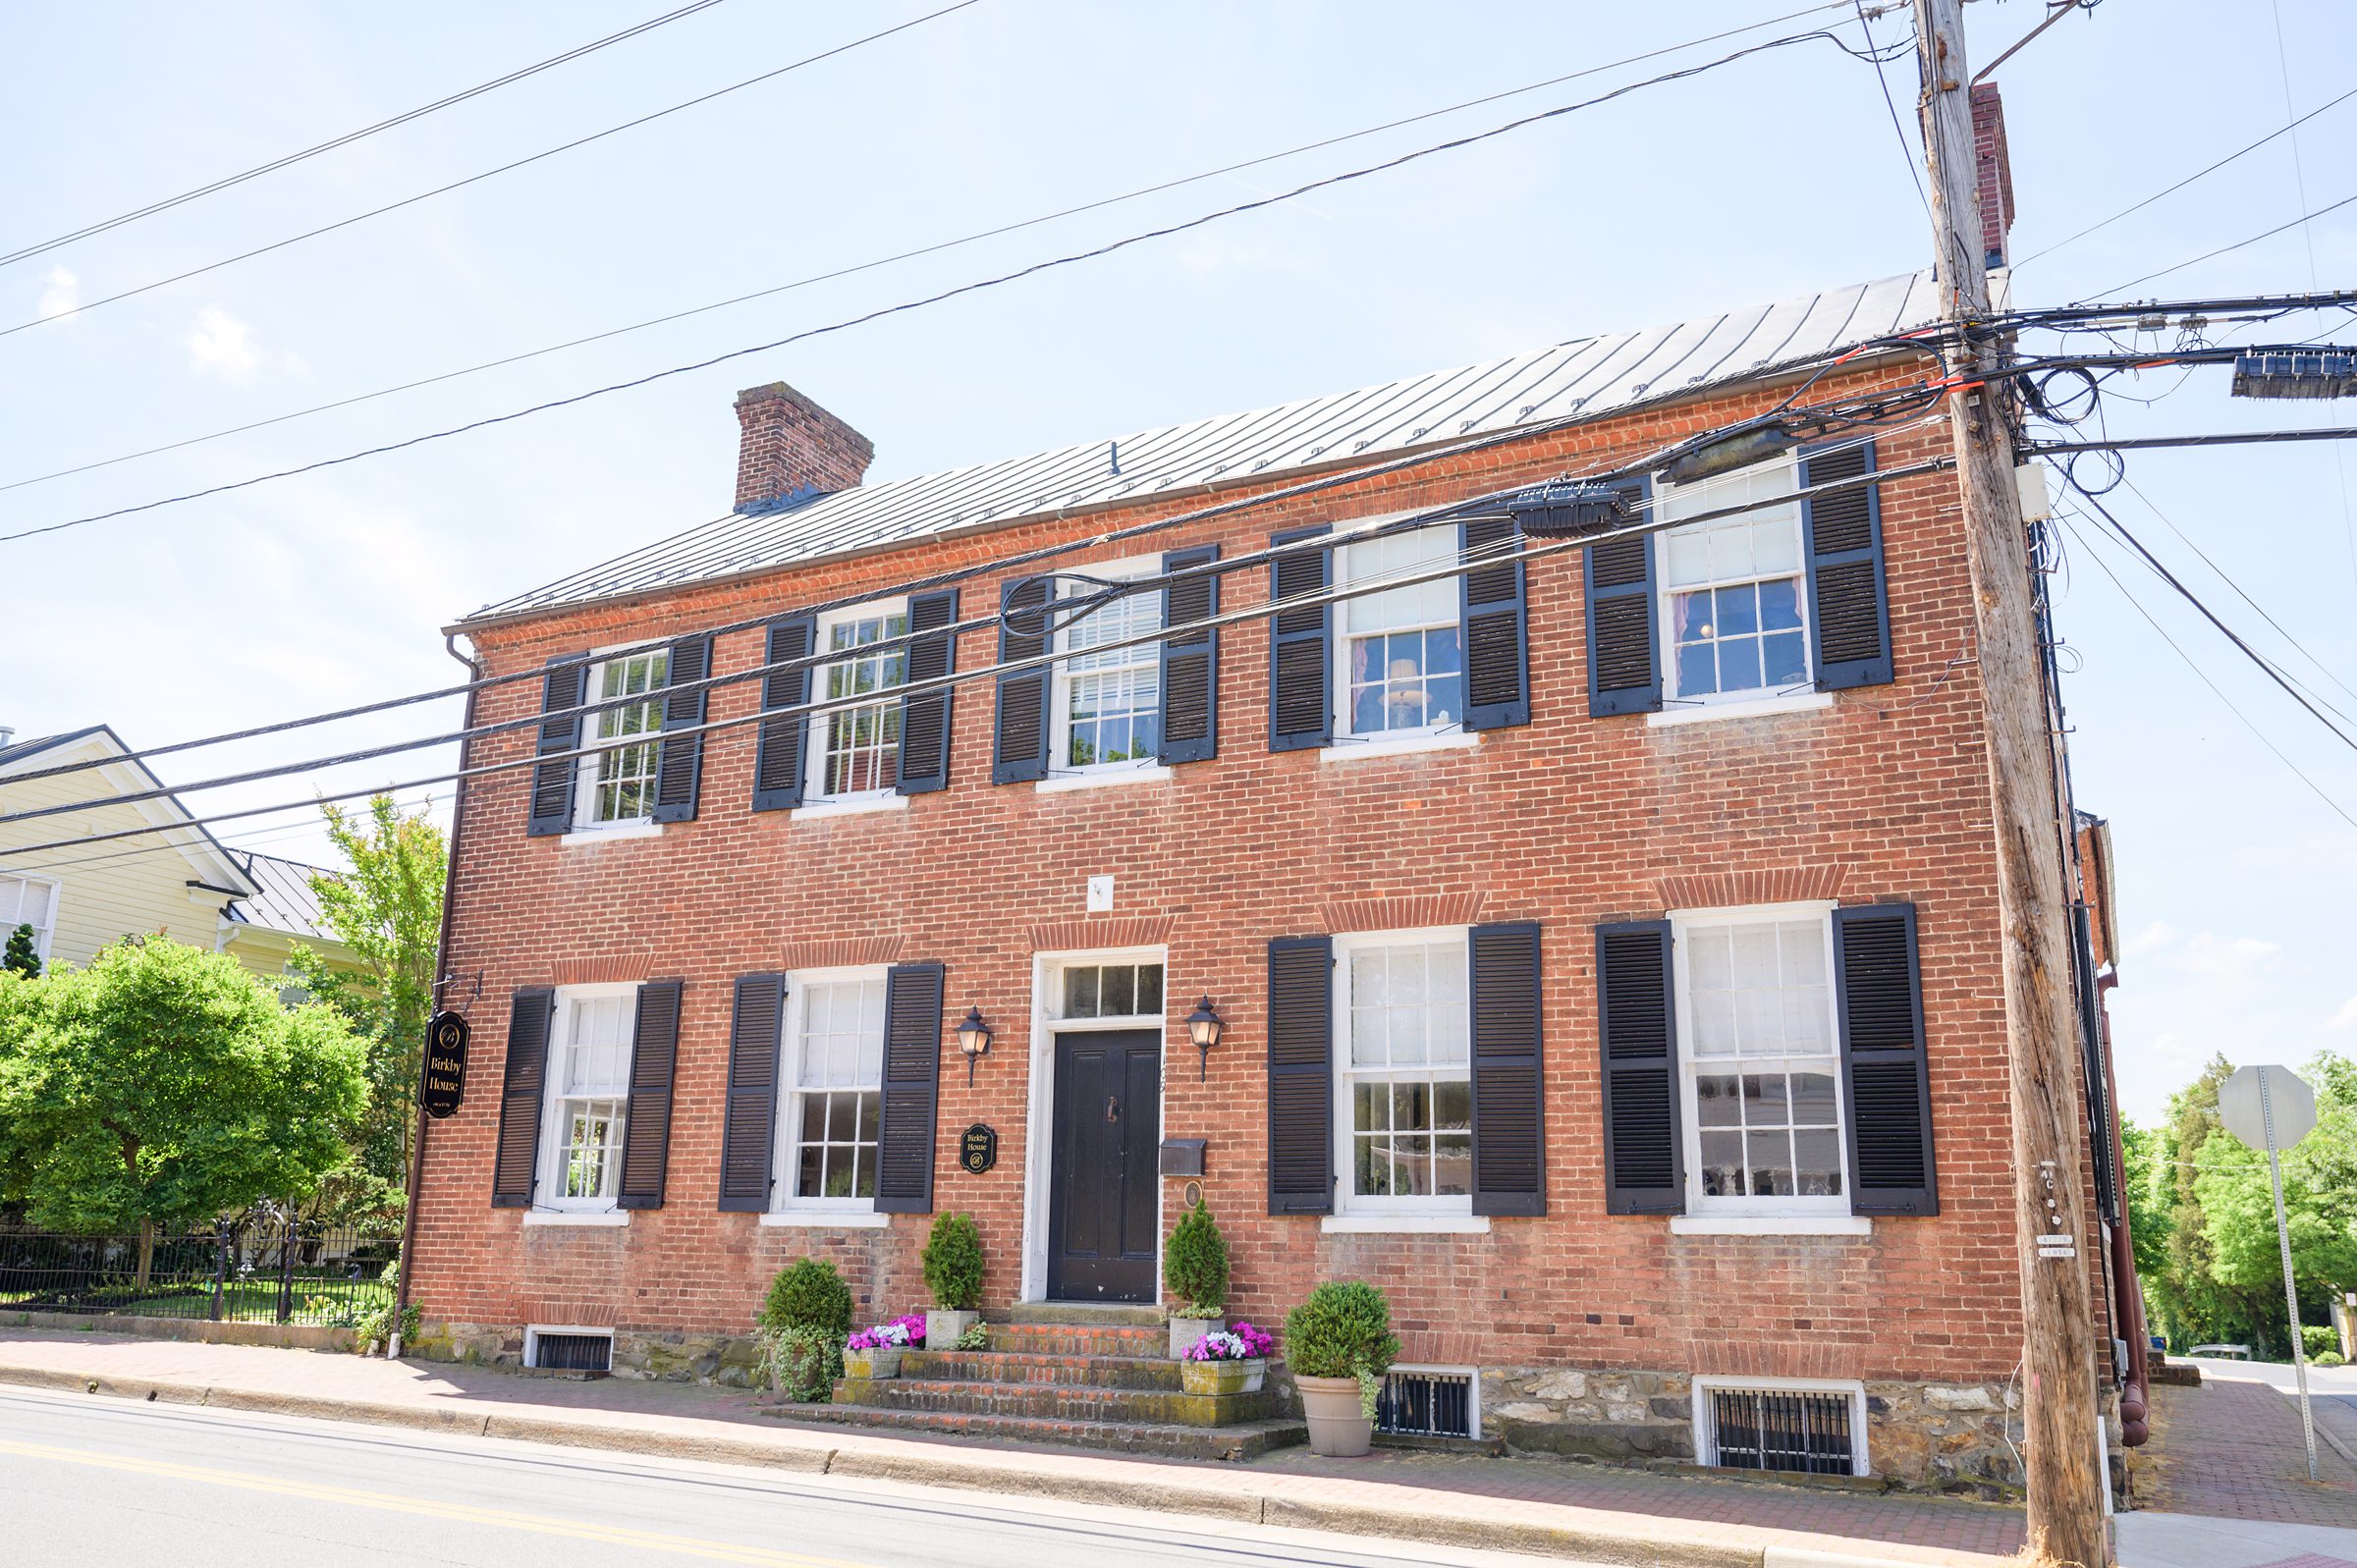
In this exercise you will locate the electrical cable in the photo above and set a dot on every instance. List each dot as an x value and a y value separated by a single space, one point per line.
472 179
248 844
1067 259
925 250
1906 151
2304 217
26 253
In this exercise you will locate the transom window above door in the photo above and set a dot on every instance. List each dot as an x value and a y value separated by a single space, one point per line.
855 751
1108 698
1735 615
617 782
1402 651
1122 990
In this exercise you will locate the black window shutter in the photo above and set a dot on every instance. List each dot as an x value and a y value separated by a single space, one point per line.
1190 664
1510 1163
749 1119
1878 980
1496 627
778 754
1849 610
911 1088
679 763
1301 654
1625 668
1302 1075
1019 751
552 782
521 1081
925 715
1636 1009
646 1127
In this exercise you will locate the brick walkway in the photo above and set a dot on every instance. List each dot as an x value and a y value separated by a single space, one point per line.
2232 1450
1534 1493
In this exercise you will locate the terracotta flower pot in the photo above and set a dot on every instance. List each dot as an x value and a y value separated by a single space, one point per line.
1223 1376
882 1362
1336 1430
1185 1333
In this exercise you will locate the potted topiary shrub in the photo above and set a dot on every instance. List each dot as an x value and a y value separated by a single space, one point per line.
802 1328
1339 1343
952 1263
1226 1361
876 1352
1194 1274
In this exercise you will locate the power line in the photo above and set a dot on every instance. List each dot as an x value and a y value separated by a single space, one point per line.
244 845
1906 151
472 179
1067 259
2229 438
351 136
2304 217
931 248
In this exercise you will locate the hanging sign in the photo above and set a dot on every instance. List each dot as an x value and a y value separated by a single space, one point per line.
445 1086
978 1148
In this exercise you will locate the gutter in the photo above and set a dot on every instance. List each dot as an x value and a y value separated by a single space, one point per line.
2127 1296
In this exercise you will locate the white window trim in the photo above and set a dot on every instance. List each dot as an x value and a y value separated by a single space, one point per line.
1704 712
534 1331
801 1217
1751 700
1394 1213
785 1155
1133 770
549 1208
609 831
1794 1215
816 801
42 935
1348 742
1402 1225
1770 1225
584 768
1401 743
1706 1438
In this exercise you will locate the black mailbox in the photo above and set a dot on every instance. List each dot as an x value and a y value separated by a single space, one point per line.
1182 1157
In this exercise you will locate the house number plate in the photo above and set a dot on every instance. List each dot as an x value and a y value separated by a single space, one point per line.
978 1148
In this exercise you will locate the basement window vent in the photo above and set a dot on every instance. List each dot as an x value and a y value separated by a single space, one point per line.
1798 1429
571 1350
1428 1402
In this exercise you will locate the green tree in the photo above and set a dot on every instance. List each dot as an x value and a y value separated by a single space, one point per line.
2148 1187
2188 1298
387 910
164 1085
2319 1207
21 958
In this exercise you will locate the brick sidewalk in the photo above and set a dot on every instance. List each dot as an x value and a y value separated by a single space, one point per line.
1521 1501
2232 1450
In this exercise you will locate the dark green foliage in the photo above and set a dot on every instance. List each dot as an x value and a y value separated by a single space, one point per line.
1343 1331
2316 1340
1194 1264
808 1294
804 1362
21 958
953 1259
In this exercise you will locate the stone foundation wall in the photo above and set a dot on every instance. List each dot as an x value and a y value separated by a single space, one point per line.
729 1360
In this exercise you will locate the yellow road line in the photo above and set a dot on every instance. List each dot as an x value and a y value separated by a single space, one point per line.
463 1513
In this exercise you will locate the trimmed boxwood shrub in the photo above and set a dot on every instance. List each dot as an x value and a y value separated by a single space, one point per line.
1194 1265
953 1261
808 1294
1344 1331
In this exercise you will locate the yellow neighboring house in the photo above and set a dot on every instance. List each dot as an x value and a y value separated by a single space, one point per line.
181 882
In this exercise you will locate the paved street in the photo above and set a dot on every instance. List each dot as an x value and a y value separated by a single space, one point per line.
85 1481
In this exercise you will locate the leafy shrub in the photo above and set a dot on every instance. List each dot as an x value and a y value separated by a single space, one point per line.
975 1337
801 1363
953 1259
1344 1331
2328 1358
1194 1265
2316 1340
808 1294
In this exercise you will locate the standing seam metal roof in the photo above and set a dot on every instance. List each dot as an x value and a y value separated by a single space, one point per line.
1584 377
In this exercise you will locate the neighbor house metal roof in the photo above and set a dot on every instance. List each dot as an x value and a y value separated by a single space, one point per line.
1584 378
283 898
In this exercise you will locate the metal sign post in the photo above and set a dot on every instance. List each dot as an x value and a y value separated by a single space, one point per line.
2285 1112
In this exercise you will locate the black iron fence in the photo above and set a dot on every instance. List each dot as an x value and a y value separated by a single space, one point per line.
256 1270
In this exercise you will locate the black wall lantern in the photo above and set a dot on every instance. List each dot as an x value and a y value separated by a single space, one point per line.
1203 1027
974 1037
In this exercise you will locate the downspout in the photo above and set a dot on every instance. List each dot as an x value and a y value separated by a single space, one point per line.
2127 1296
450 905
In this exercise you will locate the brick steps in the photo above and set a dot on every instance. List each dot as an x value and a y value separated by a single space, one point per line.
1037 1367
1079 1340
1056 1401
1165 1440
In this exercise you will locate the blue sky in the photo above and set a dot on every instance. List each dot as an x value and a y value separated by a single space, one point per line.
1774 176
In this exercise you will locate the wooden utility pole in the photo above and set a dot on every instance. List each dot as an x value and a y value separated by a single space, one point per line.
2062 1450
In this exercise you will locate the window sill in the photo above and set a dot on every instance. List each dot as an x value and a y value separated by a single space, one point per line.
611 831
860 807
1095 779
1404 745
1770 1225
1405 1225
1704 712
576 1217
826 1219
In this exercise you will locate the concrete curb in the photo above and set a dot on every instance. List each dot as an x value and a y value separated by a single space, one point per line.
189 1331
928 1465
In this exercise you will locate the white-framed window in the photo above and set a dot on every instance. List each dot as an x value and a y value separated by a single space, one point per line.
1760 1062
1105 702
1404 1091
855 752
617 780
1090 988
28 902
587 1095
1399 655
831 1090
1734 593
1791 1425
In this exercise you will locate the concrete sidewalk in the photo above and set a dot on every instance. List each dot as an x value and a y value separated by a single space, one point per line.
1592 1513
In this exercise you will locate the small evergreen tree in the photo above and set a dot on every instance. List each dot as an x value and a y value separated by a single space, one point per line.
1194 1264
809 1293
952 1263
20 957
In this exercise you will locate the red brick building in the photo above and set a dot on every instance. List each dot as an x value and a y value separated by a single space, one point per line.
1604 941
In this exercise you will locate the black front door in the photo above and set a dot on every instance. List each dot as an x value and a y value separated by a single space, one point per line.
1102 1217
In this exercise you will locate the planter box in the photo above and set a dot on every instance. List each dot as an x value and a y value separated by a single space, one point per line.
878 1363
1227 1376
1185 1332
943 1328
1336 1430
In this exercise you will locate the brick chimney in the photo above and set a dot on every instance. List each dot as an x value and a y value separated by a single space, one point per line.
791 448
1994 171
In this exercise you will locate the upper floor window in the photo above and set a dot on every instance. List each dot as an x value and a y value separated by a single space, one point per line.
1402 651
588 1095
1108 698
1733 613
1761 1061
28 902
1119 989
855 751
1403 1073
617 782
833 1088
